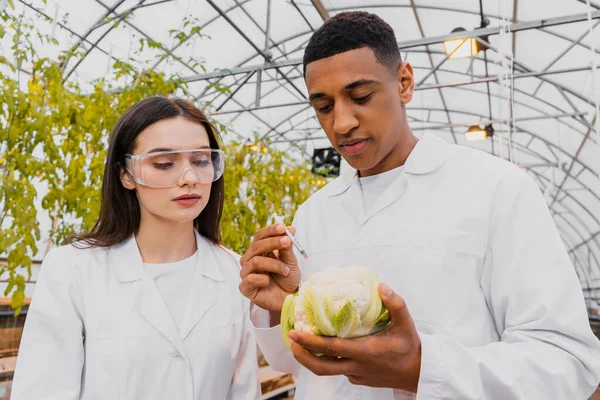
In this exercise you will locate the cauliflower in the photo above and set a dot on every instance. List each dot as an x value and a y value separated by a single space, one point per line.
337 301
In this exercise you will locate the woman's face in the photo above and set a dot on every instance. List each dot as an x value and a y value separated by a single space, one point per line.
184 201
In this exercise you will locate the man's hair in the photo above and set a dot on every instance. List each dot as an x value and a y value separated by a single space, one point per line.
354 30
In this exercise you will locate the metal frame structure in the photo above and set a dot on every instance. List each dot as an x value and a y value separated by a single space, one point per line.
272 67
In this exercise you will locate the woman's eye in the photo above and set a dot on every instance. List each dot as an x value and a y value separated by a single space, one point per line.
163 165
201 163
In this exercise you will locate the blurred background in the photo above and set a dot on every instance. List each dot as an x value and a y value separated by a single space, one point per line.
515 78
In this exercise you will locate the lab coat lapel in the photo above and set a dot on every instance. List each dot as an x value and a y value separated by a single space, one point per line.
389 196
148 302
352 202
204 292
426 157
153 309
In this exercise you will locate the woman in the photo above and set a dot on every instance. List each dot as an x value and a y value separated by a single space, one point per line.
146 305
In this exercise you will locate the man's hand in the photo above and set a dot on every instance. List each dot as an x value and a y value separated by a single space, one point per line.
269 268
390 359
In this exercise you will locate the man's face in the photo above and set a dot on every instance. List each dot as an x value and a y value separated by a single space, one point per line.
360 105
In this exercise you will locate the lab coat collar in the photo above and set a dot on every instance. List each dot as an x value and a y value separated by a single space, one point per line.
426 157
130 265
204 292
149 302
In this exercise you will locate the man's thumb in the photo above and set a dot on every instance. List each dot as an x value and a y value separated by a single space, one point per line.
396 306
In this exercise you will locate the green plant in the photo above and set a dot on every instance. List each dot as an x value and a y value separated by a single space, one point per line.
53 139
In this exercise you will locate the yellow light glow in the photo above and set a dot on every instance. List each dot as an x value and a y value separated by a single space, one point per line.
464 48
475 135
254 148
265 150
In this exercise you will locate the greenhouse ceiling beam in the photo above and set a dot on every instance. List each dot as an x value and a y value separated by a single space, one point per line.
72 32
204 25
256 67
163 48
584 227
514 20
132 9
563 53
287 119
520 26
267 33
531 74
218 80
560 121
595 235
434 68
265 55
302 15
321 9
531 133
428 87
540 76
247 59
236 90
92 29
596 6
576 157
517 27
118 18
567 39
495 121
528 106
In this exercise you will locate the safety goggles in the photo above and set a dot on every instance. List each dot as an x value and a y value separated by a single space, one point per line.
165 169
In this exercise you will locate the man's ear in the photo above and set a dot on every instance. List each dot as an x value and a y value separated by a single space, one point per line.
126 179
406 82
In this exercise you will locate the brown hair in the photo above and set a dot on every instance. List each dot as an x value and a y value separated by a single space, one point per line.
119 216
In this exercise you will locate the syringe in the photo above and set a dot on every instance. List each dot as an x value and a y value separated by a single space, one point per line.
296 244
279 219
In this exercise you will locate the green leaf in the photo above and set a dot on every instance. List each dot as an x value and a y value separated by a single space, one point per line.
345 320
287 317
18 298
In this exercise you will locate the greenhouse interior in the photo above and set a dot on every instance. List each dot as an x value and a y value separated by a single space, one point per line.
516 79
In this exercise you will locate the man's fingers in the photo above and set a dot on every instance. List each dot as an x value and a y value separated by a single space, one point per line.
264 265
258 280
330 346
269 231
397 308
265 246
251 283
323 365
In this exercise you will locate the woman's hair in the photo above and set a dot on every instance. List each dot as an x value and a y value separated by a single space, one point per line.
119 216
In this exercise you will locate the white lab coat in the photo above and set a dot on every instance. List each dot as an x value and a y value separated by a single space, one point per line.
467 240
98 328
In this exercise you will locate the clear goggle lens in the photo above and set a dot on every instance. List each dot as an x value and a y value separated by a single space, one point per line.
167 168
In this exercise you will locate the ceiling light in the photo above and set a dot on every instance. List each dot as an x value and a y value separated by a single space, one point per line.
477 133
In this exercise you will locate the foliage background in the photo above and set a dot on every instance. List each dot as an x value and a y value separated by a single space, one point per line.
53 140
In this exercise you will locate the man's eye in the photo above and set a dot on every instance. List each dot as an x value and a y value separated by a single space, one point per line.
363 99
324 109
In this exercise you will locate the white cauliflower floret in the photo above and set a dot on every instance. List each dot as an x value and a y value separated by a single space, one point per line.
337 301
343 284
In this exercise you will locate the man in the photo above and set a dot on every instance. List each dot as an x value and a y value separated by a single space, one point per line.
484 301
